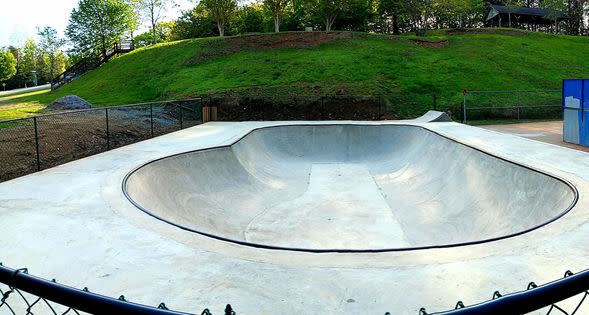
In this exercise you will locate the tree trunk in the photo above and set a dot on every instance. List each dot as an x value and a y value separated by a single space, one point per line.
153 25
51 65
221 28
329 23
396 30
103 40
509 20
277 23
153 31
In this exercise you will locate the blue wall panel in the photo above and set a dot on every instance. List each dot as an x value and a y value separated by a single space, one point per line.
573 99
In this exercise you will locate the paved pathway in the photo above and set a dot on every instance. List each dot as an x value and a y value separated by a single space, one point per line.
25 90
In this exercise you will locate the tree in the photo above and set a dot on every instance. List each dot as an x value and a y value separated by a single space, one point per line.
392 11
248 19
7 65
418 13
329 10
193 24
220 11
153 10
276 7
576 10
554 7
451 13
29 61
97 24
162 35
355 15
50 46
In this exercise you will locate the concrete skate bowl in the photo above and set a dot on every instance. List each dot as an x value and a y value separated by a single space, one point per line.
348 188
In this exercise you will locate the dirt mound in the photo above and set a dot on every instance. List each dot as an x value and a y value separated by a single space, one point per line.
430 44
69 102
297 40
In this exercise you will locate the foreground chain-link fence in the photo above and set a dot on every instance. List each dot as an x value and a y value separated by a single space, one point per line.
36 143
566 296
25 294
22 293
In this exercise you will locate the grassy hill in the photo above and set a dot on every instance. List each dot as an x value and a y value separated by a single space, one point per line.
446 62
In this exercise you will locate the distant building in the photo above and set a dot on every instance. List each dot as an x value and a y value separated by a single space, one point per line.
522 17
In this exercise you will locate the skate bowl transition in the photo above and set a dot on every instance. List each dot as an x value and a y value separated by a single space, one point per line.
348 188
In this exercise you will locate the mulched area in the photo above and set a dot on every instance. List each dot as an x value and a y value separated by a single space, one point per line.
65 138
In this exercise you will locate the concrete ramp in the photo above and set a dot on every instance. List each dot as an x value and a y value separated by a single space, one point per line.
348 187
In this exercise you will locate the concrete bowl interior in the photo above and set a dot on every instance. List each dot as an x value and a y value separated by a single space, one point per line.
348 187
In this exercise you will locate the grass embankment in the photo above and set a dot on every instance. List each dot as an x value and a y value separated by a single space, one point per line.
445 62
21 105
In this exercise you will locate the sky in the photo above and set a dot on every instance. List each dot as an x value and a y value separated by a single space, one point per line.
19 18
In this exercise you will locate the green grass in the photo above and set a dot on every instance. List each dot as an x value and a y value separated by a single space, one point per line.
363 64
21 105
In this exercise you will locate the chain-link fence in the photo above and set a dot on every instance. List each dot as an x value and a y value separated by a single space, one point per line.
36 143
566 296
25 294
513 105
22 293
332 107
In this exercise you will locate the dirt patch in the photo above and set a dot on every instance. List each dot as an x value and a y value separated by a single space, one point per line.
296 40
430 44
68 137
281 108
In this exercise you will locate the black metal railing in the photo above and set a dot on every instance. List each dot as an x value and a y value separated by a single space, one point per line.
90 62
534 298
23 293
513 105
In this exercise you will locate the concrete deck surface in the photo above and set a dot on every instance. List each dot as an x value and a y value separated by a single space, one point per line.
545 131
74 223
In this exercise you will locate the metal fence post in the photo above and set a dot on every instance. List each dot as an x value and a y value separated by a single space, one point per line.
380 107
151 118
464 107
322 108
37 144
197 109
107 130
181 116
517 104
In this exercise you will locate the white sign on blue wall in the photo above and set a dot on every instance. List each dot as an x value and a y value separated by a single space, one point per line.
575 103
